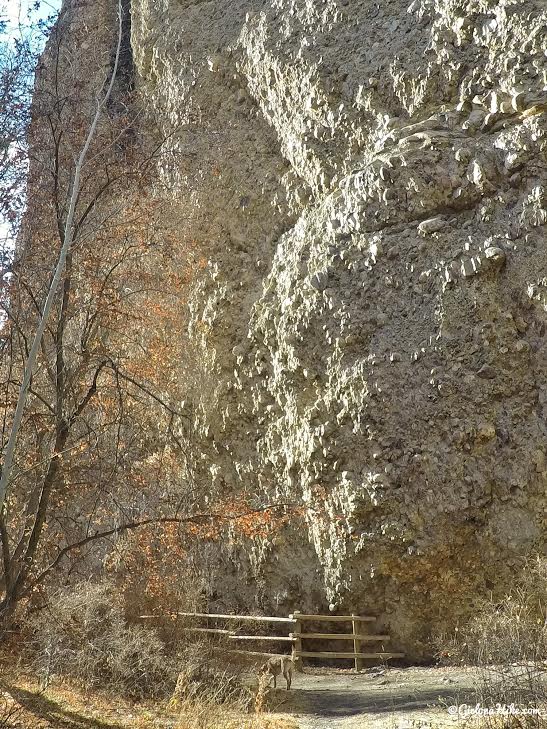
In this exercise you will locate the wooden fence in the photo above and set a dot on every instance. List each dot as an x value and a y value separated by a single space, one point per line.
357 637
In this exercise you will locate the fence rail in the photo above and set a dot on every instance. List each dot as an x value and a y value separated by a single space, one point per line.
280 638
334 618
331 654
343 636
215 631
296 638
251 618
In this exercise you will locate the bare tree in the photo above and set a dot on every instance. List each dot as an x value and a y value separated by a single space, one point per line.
77 351
68 235
93 431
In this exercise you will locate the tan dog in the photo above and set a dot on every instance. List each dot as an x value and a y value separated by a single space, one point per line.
277 666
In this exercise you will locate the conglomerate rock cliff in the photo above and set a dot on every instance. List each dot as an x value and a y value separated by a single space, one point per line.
366 182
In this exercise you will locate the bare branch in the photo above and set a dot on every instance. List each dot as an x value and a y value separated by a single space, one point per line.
64 252
128 526
6 558
144 389
89 394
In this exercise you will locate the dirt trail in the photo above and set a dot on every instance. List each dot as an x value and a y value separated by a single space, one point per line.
389 698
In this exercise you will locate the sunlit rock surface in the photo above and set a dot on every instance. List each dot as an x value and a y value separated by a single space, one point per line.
366 183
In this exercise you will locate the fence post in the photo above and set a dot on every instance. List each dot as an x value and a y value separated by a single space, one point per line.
356 641
297 645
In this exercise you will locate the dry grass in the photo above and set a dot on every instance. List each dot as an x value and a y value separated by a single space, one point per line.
64 706
92 670
216 694
83 636
10 712
261 697
211 716
507 640
86 668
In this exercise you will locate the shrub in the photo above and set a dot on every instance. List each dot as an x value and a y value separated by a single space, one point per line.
507 640
83 636
207 677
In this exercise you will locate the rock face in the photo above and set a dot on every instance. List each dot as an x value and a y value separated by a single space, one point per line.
366 182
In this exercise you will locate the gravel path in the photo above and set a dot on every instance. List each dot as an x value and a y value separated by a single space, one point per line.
387 698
